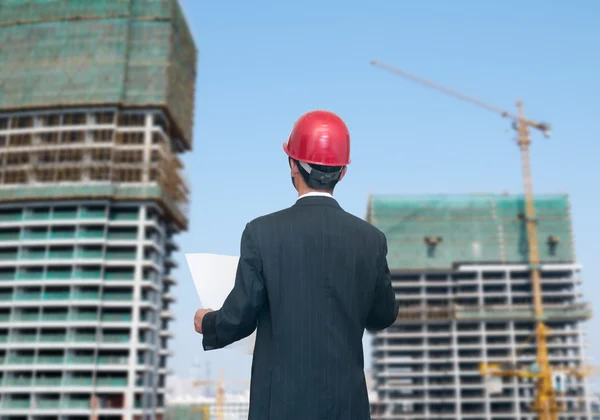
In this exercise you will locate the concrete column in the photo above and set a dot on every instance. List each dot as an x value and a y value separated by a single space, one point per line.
135 315
147 147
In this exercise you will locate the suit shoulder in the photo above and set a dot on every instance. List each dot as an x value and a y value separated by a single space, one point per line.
267 218
363 226
367 227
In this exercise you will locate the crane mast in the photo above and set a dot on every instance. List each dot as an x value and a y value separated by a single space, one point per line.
545 404
546 401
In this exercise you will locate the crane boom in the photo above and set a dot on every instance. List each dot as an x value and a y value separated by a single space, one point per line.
545 128
441 88
545 404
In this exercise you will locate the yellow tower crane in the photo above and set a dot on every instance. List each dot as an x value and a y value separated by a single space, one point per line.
220 384
545 403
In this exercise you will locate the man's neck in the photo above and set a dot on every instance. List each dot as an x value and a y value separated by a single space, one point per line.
307 191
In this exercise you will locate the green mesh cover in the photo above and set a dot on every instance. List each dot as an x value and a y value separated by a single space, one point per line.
473 229
190 412
91 52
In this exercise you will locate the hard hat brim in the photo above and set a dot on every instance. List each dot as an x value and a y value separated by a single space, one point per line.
313 162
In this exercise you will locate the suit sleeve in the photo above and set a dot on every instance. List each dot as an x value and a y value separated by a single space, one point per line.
238 317
384 309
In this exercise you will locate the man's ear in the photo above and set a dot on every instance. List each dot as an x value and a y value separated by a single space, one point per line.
343 173
294 167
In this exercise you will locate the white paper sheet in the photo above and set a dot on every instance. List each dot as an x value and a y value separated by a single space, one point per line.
214 276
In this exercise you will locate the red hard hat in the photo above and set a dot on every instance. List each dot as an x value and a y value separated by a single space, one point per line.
320 138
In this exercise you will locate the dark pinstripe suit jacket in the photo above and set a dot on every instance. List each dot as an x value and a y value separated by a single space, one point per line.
312 278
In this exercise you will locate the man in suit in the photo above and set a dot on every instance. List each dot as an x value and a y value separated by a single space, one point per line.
311 278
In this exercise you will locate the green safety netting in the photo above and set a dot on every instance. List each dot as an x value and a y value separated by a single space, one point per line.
472 228
81 52
96 191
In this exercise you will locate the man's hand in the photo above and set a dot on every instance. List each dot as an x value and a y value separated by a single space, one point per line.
198 317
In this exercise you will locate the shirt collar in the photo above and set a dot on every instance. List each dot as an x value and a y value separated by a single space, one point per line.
315 194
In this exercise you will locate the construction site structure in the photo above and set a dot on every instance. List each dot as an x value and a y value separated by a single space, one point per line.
460 271
96 106
235 406
545 403
220 409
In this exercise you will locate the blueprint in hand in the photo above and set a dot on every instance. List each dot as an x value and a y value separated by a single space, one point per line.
214 276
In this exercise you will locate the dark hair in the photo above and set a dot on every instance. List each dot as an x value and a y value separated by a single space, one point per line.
321 178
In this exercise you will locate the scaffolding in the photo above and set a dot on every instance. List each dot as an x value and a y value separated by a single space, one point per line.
130 53
91 155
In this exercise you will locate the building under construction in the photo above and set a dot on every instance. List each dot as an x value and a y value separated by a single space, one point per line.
96 105
460 271
234 406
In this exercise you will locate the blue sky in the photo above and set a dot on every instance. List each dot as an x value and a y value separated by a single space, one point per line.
262 64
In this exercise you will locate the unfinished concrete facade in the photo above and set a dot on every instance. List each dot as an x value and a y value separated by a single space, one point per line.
460 276
96 106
